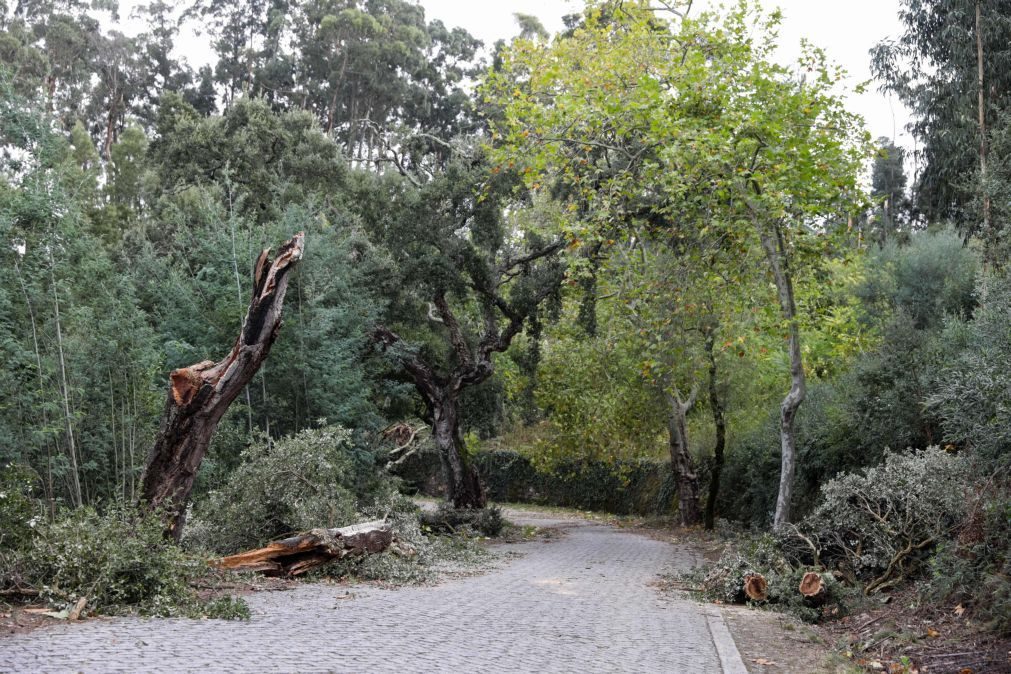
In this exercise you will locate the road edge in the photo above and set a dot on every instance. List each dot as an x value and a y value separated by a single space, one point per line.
726 648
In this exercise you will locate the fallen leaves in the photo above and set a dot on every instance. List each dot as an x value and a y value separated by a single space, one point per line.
764 662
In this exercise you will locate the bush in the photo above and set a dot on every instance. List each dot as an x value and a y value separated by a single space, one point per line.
879 526
975 569
317 478
20 514
973 398
120 561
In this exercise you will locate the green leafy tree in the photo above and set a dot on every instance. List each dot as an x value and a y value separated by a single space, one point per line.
948 67
616 115
470 280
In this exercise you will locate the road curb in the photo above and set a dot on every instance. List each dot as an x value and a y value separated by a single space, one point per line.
726 649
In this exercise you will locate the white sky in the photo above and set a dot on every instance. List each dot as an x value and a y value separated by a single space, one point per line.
846 30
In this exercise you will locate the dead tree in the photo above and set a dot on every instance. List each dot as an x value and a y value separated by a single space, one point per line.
200 394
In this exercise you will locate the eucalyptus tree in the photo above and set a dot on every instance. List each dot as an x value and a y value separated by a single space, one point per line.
949 66
77 352
693 115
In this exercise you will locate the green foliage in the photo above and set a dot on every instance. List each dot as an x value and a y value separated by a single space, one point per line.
20 512
972 398
723 580
938 79
120 561
880 525
316 478
975 568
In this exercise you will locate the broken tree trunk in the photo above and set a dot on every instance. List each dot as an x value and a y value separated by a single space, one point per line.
295 555
200 394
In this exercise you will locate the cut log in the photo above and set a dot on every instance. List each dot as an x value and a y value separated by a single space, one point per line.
200 394
297 554
812 585
755 587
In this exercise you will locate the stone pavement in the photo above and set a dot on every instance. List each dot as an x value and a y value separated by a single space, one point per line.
580 603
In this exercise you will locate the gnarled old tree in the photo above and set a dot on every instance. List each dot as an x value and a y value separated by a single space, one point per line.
469 285
200 394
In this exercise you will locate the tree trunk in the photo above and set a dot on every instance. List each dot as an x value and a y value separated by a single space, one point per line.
302 552
776 253
989 236
75 478
463 486
200 394
720 422
681 460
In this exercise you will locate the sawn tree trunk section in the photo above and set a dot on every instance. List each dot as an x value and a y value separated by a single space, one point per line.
200 394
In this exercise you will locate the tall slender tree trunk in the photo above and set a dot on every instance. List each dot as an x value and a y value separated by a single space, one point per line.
75 478
683 467
199 395
239 303
719 421
38 372
775 252
989 235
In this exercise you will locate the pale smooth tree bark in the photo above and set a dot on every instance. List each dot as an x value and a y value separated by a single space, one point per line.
774 246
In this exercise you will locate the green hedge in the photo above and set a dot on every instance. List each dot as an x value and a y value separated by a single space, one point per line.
643 487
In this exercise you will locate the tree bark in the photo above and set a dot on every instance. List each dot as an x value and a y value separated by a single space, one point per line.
200 394
302 552
775 251
681 460
463 486
720 422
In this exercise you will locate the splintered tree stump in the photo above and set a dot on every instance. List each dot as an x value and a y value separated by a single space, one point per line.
302 552
812 586
200 394
755 587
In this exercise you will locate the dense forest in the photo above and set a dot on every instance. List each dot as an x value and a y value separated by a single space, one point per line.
642 241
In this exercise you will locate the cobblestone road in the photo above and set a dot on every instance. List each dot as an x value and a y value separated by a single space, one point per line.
581 603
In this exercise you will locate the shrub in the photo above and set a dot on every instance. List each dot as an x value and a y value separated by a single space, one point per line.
317 478
120 561
973 398
975 569
880 525
20 514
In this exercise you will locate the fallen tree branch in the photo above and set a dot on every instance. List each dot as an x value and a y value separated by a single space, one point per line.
302 552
